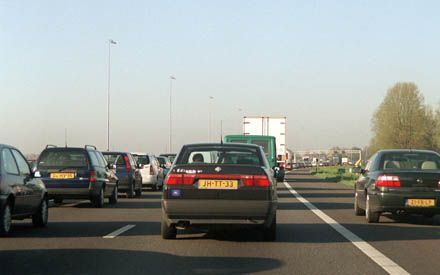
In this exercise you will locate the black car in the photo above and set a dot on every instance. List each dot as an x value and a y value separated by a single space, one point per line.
22 193
77 173
220 184
127 171
399 181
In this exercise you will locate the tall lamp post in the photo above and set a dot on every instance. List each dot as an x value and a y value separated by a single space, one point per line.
170 148
110 42
211 98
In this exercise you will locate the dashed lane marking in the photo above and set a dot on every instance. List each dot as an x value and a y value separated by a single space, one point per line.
118 232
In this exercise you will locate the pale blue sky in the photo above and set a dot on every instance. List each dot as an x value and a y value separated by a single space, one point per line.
326 65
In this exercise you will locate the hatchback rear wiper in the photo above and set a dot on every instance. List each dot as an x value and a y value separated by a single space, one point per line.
69 167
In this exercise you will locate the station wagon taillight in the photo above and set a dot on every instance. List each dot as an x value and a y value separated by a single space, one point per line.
127 164
92 176
388 181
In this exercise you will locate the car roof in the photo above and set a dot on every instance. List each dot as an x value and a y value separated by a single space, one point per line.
224 145
405 151
69 149
7 146
114 153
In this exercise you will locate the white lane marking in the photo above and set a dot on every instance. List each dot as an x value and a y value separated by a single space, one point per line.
383 261
121 230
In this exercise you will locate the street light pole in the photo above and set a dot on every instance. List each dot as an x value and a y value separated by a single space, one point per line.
210 117
110 42
170 148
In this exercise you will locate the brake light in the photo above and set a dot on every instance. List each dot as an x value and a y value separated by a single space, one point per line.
261 181
438 184
151 169
92 176
388 181
186 179
127 164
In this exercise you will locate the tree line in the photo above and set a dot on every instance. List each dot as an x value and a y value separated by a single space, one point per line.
404 121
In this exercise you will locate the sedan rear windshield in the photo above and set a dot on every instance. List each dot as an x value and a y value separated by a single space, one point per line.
142 159
410 161
63 159
225 155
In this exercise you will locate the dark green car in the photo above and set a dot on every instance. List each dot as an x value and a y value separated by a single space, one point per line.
399 181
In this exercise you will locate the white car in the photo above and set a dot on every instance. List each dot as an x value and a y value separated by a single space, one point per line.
151 173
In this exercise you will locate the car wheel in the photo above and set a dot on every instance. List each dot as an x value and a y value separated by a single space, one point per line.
357 210
168 232
270 233
5 219
98 201
130 192
139 192
372 217
39 219
58 200
114 197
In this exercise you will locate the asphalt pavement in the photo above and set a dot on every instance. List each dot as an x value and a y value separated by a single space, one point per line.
125 238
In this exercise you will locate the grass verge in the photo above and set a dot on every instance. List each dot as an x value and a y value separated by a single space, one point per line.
336 174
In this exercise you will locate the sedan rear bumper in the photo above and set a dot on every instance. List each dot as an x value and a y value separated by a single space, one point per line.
391 202
246 212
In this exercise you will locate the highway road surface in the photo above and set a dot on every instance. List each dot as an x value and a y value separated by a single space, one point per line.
317 233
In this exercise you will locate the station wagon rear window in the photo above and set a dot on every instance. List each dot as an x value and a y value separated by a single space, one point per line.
62 159
417 161
235 156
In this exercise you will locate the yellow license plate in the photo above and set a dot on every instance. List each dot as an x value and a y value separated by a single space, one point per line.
218 184
420 202
62 175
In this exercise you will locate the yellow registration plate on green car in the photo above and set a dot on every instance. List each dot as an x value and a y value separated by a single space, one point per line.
218 184
420 202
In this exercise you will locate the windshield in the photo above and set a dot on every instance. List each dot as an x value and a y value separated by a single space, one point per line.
410 161
237 156
62 159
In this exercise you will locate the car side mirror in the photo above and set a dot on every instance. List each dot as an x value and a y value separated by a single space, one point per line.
139 166
36 174
363 171
111 166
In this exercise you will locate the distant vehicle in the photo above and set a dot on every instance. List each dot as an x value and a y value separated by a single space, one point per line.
22 193
399 181
171 157
77 173
129 177
268 143
165 164
149 168
344 161
269 126
220 184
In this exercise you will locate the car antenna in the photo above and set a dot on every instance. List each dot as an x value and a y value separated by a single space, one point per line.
221 132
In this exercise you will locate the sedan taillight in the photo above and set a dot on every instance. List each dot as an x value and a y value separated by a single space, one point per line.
388 181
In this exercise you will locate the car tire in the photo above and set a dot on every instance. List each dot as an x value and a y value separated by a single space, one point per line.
139 192
114 197
357 210
98 201
39 219
130 192
372 217
5 219
169 232
270 233
58 200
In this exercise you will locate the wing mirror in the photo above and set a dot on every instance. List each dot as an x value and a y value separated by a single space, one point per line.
36 174
111 166
139 166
